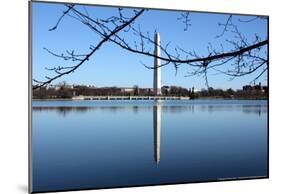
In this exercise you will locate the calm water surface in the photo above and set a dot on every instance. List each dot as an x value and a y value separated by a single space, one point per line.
95 144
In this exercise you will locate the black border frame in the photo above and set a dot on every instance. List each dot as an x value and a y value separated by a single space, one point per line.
30 180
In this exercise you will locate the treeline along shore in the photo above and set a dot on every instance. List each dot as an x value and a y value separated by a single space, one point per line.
64 91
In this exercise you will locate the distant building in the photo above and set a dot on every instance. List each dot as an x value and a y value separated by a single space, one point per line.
50 86
69 86
127 89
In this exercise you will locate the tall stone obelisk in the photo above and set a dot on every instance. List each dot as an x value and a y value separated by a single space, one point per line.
157 69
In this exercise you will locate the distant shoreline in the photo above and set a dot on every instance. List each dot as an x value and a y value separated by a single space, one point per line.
206 98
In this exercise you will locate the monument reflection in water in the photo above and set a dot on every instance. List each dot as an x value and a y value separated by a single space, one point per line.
157 130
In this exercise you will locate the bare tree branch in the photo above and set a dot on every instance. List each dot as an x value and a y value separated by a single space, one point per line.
242 59
106 38
64 13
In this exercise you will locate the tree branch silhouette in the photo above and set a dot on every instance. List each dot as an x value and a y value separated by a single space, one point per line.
244 58
87 56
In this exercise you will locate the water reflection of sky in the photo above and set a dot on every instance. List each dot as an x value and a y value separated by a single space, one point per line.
86 144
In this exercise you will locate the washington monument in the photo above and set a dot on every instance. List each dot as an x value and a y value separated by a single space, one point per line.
157 69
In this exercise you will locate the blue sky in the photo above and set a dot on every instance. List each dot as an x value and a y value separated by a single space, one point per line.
112 66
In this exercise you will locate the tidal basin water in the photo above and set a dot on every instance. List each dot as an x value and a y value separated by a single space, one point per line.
97 144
